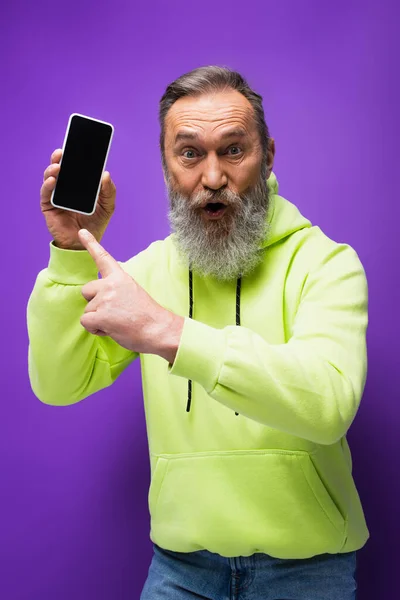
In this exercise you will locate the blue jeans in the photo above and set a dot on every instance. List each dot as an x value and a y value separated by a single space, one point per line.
207 576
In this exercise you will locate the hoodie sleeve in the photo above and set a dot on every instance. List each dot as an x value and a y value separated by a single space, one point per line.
66 363
311 386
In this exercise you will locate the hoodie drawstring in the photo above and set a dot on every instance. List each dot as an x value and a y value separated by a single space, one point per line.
238 288
190 317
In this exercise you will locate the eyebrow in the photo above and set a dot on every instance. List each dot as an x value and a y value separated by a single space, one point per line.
185 135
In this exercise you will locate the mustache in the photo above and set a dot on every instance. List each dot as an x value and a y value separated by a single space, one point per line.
224 196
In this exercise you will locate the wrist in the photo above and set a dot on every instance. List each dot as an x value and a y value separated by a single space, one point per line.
168 339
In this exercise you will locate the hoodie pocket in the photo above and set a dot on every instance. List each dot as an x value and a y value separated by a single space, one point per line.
240 502
160 470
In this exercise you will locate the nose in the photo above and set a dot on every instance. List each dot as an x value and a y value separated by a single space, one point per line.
213 176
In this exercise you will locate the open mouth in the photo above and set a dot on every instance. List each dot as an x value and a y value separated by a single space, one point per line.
215 209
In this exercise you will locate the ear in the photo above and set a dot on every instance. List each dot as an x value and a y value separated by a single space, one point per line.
271 156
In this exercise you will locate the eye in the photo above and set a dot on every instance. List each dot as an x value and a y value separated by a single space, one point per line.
188 150
235 148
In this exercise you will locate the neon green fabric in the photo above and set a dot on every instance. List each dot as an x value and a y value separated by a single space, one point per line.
278 477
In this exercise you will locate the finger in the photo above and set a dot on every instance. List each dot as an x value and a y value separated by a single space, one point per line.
56 156
51 171
89 290
108 188
93 305
91 322
49 181
47 189
106 264
106 179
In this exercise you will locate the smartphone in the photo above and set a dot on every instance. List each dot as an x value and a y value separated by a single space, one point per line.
85 150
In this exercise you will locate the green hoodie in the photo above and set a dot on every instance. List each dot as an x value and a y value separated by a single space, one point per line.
276 477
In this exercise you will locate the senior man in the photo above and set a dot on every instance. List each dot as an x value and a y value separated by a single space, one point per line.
250 324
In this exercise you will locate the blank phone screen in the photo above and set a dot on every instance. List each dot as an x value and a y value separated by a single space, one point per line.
82 164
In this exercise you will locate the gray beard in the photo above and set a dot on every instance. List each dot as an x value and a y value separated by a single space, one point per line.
225 248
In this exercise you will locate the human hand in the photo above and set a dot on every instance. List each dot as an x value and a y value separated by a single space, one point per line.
64 225
118 306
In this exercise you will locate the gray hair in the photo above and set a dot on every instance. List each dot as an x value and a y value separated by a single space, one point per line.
204 80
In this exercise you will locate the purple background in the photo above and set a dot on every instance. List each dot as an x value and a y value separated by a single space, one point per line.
74 481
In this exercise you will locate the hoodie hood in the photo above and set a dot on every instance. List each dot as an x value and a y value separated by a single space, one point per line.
284 218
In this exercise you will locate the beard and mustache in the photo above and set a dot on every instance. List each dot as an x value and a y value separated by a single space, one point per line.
224 248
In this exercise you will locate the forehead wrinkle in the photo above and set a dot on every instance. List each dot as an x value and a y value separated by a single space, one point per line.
211 108
204 115
188 120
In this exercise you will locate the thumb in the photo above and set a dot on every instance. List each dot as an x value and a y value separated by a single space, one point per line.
107 186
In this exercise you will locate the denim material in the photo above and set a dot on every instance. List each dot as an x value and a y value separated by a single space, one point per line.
208 576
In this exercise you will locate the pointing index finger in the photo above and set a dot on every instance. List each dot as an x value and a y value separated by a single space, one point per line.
105 263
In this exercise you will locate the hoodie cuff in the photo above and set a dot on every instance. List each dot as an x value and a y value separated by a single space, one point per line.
71 267
200 354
